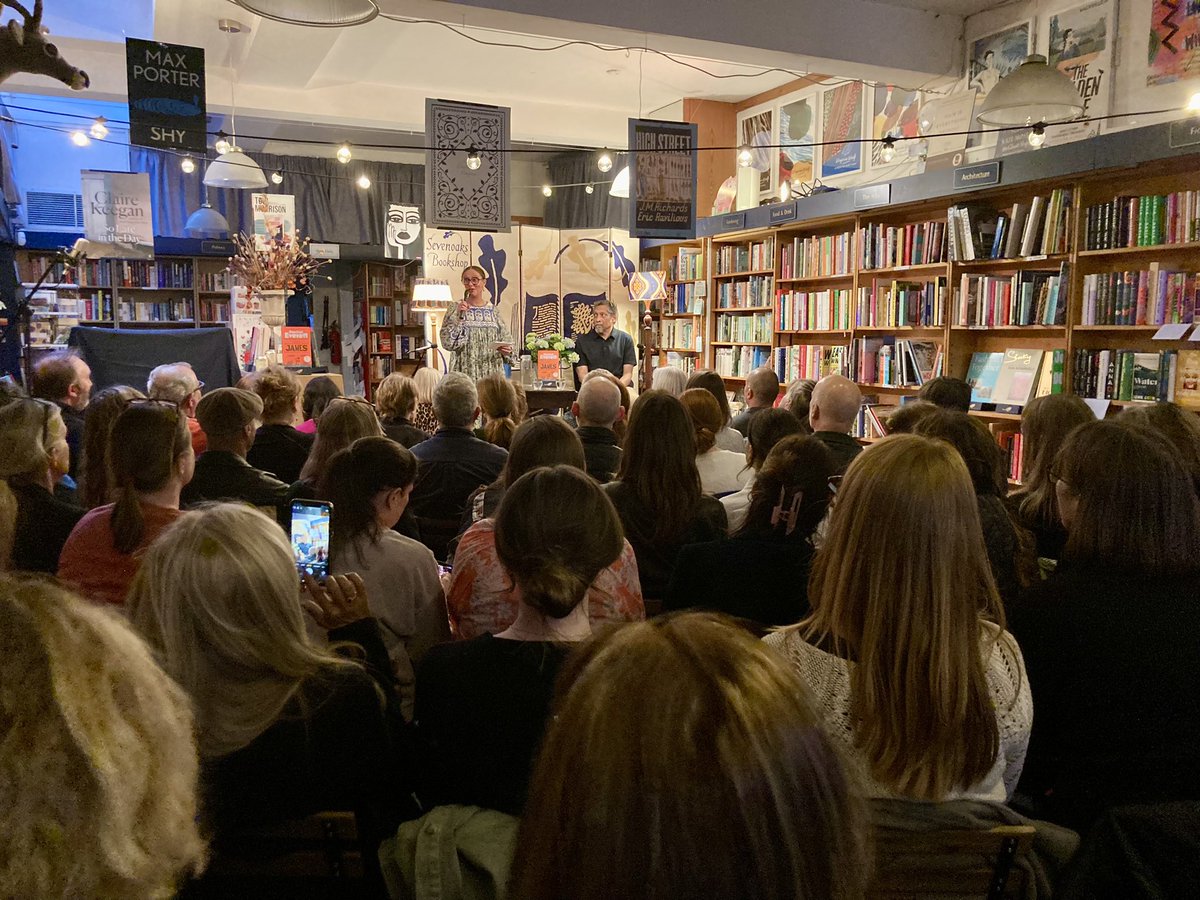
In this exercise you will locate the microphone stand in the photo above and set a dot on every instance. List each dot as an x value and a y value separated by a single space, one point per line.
23 317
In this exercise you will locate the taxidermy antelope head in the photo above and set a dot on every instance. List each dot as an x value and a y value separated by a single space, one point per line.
25 49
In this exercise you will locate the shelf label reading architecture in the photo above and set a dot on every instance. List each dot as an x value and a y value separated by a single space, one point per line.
967 178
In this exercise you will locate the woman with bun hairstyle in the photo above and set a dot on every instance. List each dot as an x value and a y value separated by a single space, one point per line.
498 402
721 471
706 379
482 704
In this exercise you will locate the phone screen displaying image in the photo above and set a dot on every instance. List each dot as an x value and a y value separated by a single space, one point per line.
310 537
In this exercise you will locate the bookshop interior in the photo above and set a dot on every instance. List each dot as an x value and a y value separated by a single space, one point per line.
489 449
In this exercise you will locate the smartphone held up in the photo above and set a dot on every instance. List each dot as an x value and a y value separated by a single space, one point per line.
310 537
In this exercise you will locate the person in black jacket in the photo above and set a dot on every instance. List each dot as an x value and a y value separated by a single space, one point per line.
278 448
230 416
832 409
396 398
761 573
65 379
1112 639
596 410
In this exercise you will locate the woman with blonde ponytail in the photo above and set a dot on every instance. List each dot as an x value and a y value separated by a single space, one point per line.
150 460
498 401
482 704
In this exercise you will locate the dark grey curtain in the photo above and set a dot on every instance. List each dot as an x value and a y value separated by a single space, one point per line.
330 207
574 207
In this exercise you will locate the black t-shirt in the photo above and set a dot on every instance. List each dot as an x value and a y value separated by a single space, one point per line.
611 354
481 708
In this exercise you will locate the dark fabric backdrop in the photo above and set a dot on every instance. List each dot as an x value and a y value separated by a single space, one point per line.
126 356
574 207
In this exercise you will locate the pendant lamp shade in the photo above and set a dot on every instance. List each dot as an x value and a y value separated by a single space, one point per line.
206 222
620 185
1031 93
314 13
235 170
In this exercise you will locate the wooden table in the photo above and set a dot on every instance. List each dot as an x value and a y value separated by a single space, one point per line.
549 400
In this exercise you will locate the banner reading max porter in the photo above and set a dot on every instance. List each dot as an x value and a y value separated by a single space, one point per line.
117 220
166 95
662 182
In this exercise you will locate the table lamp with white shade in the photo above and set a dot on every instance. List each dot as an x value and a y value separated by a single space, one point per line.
431 296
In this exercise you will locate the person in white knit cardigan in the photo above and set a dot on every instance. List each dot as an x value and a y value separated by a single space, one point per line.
905 648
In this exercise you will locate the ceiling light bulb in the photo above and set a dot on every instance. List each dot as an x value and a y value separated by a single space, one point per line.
363 181
222 146
1037 135
188 165
591 188
745 157
1193 105
547 191
785 192
79 139
99 129
277 177
604 161
343 154
888 151
474 160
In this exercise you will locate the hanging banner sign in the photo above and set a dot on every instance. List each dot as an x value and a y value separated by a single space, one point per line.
457 196
117 218
274 219
166 95
662 179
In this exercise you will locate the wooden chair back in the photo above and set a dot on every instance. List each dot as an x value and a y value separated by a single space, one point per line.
960 864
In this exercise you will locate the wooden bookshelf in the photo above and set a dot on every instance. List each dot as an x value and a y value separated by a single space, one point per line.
391 331
677 335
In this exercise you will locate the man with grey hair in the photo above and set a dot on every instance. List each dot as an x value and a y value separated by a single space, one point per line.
762 387
604 347
451 464
596 411
831 412
177 383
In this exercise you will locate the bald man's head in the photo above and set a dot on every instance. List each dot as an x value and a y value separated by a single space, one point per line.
599 403
835 404
762 387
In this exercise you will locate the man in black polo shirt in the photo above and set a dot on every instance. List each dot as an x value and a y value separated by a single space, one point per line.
606 348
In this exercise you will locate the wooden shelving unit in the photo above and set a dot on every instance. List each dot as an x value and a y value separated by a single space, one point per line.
678 334
391 331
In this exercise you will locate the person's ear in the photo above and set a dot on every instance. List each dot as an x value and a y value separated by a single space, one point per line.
621 414
575 409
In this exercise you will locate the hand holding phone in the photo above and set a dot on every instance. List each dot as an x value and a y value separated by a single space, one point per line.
342 599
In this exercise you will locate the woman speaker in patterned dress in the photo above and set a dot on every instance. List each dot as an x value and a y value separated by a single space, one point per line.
473 333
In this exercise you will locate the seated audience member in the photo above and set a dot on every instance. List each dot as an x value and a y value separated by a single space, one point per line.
1010 548
657 492
762 387
285 728
1112 638
481 596
915 676
1179 426
620 425
33 456
831 412
946 392
11 390
369 485
761 572
451 464
66 380
177 383
1044 428
317 394
230 418
670 379
766 430
498 403
151 460
727 438
721 471
97 762
905 419
396 399
102 411
482 704
426 381
684 759
346 419
797 400
278 448
596 410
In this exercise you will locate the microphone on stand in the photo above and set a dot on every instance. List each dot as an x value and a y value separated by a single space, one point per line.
77 253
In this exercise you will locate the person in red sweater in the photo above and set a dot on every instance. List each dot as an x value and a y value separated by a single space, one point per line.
151 459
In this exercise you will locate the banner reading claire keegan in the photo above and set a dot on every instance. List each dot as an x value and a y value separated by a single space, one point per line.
662 179
166 95
117 218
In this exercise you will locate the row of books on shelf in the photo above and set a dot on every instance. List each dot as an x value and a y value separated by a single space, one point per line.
1028 297
738 362
137 273
1005 381
818 256
685 362
214 311
757 328
901 304
386 343
685 299
1143 221
1151 296
183 310
379 316
755 291
380 367
682 335
1165 375
892 362
1040 227
828 310
752 257
810 361
216 281
888 246
686 265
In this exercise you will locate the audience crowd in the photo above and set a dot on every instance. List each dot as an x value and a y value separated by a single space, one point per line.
665 653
